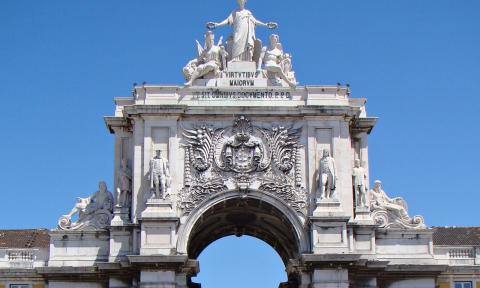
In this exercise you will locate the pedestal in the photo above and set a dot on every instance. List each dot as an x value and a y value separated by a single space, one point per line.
158 208
328 208
329 235
121 216
121 242
363 216
159 228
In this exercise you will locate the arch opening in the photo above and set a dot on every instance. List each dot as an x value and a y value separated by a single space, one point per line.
240 262
245 216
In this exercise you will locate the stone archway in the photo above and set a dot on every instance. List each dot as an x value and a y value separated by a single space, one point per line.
258 215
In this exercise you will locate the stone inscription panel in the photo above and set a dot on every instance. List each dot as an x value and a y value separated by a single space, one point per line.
257 94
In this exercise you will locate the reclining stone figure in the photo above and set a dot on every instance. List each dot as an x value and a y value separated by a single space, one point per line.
94 212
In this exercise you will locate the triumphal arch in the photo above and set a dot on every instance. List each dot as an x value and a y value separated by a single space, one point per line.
242 148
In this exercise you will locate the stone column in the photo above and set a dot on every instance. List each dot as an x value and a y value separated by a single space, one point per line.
366 282
116 282
137 169
164 271
305 280
155 279
330 278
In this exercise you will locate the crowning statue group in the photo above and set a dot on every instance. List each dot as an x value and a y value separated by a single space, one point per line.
242 45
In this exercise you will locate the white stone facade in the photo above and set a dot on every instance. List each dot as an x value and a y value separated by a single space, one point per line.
243 149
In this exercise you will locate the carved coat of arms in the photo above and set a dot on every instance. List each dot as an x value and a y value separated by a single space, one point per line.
243 152
243 157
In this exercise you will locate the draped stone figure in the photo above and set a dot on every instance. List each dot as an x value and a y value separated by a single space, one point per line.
94 212
159 176
211 59
360 184
392 212
327 176
380 199
243 41
288 69
276 63
124 187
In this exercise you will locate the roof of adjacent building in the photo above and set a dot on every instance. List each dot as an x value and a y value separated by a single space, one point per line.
456 236
30 238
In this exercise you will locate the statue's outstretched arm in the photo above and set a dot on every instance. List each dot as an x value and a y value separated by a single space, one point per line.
270 25
213 25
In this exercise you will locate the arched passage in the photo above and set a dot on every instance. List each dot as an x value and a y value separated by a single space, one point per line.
256 214
245 216
273 218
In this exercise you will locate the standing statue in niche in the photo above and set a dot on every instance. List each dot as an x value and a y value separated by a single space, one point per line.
159 176
360 184
277 64
327 176
392 212
94 212
243 42
211 59
124 187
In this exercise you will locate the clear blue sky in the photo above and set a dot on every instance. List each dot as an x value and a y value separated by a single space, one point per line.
62 62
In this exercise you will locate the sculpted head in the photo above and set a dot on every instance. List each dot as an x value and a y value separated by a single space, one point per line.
377 185
124 163
357 163
102 186
241 4
158 153
326 153
274 40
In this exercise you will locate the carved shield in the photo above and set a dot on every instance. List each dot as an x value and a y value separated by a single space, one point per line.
243 159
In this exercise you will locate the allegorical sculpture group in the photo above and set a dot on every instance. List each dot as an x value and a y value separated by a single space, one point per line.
242 45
